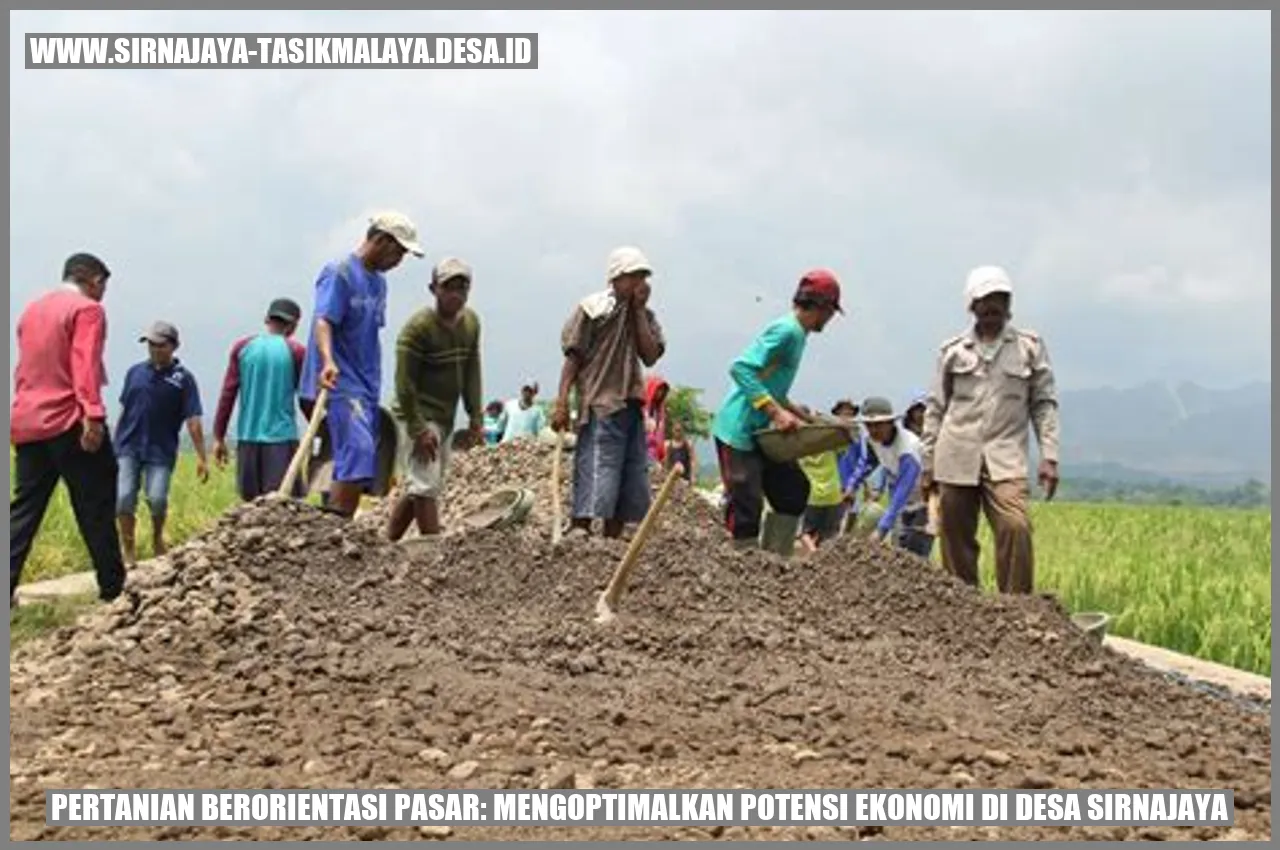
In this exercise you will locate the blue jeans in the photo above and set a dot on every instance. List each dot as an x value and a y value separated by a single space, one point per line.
611 467
129 480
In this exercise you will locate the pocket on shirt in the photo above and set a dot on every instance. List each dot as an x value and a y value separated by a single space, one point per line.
1016 381
965 378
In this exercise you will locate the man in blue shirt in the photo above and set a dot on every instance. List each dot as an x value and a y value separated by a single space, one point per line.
159 395
898 452
762 377
344 354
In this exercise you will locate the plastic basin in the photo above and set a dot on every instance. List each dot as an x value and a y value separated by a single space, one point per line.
1092 623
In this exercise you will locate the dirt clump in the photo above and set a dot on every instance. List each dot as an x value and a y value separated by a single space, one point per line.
288 649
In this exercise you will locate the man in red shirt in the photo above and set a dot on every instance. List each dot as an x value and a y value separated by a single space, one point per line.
58 422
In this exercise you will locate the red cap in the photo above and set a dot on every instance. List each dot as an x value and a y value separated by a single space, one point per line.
821 284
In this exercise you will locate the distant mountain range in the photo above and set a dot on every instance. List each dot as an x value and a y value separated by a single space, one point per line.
1174 432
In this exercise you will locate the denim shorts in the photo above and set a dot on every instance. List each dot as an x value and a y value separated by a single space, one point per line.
129 480
611 467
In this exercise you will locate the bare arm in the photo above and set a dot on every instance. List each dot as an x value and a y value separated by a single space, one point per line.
324 341
196 429
649 341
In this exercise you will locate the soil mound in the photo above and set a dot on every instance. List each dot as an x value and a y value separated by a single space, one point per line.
286 648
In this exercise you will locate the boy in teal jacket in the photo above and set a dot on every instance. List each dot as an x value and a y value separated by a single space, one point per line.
762 377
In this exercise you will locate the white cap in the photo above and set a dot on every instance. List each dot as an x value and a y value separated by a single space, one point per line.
984 281
450 267
400 228
626 260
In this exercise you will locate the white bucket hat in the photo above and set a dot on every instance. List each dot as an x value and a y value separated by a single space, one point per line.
984 281
626 260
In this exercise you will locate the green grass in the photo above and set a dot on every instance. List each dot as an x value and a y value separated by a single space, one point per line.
1196 580
193 507
1191 579
35 619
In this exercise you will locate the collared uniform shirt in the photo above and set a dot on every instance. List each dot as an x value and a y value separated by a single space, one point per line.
983 401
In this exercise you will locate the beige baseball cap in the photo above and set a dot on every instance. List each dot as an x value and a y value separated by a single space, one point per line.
450 267
399 227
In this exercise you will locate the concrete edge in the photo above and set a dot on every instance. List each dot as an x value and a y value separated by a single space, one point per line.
1167 661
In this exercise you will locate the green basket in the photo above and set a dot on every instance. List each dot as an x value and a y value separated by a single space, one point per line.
812 438
502 509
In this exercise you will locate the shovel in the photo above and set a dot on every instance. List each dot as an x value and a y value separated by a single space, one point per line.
604 606
304 447
556 519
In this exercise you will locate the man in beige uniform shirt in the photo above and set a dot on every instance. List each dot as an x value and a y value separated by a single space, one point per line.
991 383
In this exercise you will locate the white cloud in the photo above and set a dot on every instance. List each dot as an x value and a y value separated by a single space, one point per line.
1114 162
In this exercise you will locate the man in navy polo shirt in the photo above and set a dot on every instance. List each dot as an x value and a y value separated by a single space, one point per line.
159 395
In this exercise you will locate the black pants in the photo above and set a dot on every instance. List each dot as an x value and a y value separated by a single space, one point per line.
750 478
91 483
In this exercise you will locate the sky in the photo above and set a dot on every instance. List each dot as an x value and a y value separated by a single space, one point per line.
1118 164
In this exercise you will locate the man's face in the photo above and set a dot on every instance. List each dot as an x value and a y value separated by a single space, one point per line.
527 395
992 311
451 295
880 431
387 252
626 285
846 411
96 288
822 315
161 352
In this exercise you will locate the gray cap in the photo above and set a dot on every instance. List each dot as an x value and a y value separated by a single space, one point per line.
876 409
160 333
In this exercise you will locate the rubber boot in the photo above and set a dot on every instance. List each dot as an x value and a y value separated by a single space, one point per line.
779 534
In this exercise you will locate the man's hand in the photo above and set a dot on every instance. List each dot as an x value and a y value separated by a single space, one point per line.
1049 478
927 484
202 470
92 435
220 453
475 435
426 446
640 295
783 419
329 376
560 416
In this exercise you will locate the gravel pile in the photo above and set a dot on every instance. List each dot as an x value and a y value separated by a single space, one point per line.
286 648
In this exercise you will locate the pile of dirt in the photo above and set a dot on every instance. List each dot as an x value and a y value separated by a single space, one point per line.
289 649
476 475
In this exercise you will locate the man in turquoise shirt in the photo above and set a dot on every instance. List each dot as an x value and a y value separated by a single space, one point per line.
262 374
762 377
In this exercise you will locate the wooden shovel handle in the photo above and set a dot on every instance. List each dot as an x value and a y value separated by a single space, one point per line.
304 447
556 520
623 573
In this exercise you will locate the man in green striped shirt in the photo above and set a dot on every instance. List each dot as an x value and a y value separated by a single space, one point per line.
437 364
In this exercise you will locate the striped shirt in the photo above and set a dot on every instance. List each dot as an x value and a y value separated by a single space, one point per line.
437 364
